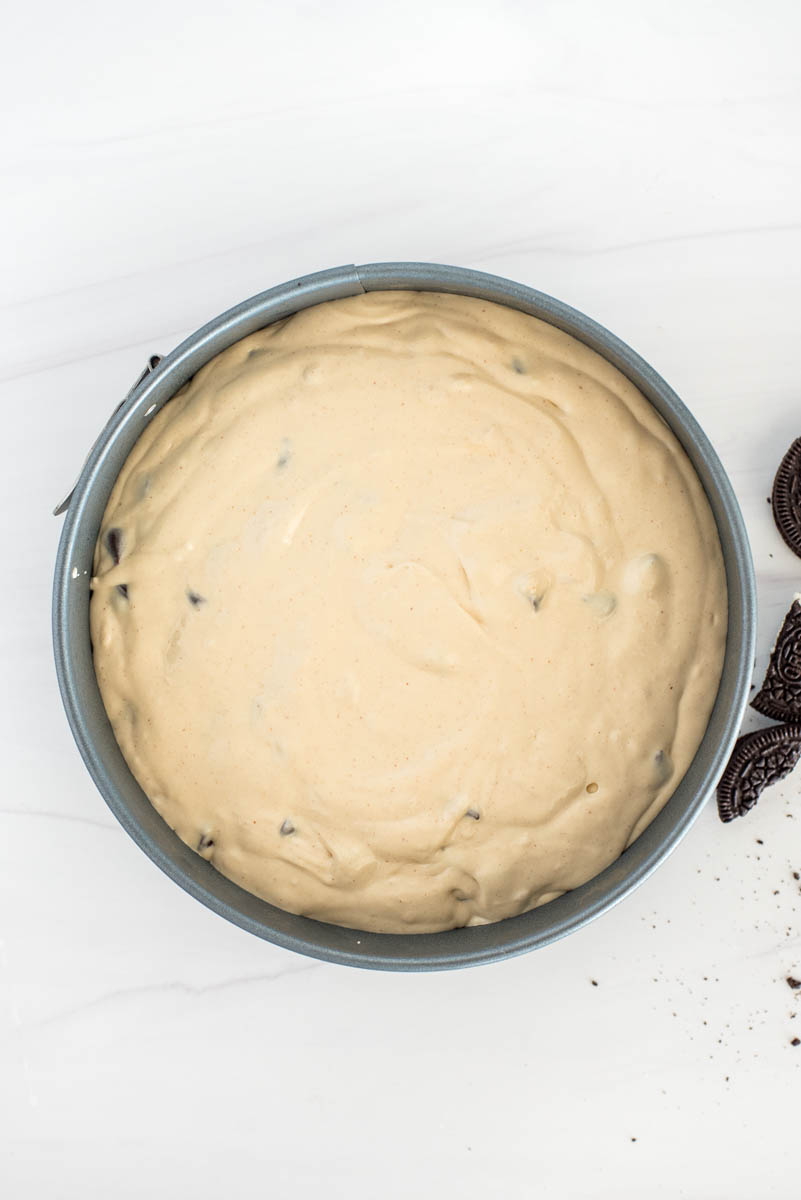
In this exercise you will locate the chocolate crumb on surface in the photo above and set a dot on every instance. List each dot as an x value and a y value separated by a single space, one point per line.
795 1041
793 983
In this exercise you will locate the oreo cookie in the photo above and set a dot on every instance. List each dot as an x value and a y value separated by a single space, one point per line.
780 695
786 498
758 760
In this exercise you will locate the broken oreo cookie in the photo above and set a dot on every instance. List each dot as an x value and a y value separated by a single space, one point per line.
786 498
759 760
780 695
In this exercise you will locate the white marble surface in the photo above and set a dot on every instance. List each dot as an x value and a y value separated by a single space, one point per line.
161 161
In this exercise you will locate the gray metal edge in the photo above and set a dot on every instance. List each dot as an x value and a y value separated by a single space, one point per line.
456 948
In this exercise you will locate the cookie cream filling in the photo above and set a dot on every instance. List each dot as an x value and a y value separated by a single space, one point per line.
409 612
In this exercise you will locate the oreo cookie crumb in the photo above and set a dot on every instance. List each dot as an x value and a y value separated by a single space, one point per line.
780 695
786 498
759 760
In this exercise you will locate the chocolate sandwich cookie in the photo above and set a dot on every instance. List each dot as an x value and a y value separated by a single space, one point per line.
780 695
786 498
759 760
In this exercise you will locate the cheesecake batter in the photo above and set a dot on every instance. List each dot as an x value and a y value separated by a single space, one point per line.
409 612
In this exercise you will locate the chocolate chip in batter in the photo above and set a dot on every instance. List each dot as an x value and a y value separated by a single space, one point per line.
286 828
195 598
474 813
284 455
122 588
534 595
602 603
114 544
518 367
663 766
205 843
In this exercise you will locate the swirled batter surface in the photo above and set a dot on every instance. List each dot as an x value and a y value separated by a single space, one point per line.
409 612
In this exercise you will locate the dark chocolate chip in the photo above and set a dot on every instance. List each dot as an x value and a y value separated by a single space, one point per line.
114 544
787 497
780 695
122 588
758 760
287 828
206 842
795 984
195 598
474 813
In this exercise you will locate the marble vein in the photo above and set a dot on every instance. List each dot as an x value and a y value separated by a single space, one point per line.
528 247
54 816
176 986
